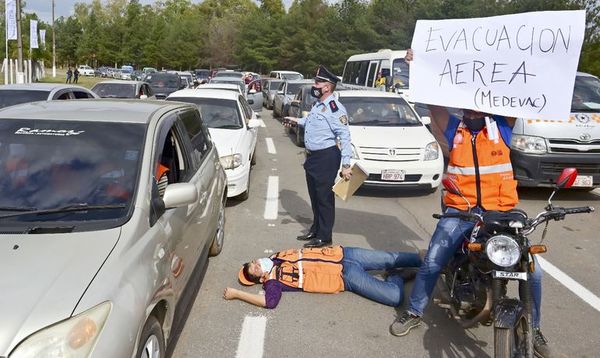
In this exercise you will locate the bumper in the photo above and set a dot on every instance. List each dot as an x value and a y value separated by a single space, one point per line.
237 180
418 175
542 169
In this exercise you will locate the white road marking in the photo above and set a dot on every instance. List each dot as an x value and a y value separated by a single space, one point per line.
270 146
569 283
252 338
262 123
272 201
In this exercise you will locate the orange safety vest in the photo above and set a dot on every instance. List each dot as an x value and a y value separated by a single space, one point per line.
312 270
482 169
160 171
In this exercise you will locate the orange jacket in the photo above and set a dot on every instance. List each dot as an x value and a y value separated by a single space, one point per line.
312 270
482 169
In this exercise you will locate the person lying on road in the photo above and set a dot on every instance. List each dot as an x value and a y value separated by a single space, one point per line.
326 270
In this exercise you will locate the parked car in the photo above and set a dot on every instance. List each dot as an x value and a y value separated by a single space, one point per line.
300 106
11 95
233 128
123 89
249 92
187 77
284 95
202 75
391 142
164 83
286 75
229 73
99 260
269 89
85 70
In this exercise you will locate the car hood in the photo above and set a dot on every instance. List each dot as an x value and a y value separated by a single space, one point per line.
228 141
43 278
405 137
578 126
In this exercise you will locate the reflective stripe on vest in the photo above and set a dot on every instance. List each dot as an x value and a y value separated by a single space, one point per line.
490 169
300 270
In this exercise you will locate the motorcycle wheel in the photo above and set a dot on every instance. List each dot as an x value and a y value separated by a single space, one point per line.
511 342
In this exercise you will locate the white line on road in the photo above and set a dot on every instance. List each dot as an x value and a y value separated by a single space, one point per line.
571 284
270 146
252 338
272 204
262 123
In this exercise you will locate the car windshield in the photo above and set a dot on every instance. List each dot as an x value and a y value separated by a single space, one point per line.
586 95
292 88
160 80
291 76
240 84
49 165
307 99
229 74
216 113
386 111
400 74
273 85
12 97
114 90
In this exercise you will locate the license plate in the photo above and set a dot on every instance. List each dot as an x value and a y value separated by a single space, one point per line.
392 174
510 275
584 181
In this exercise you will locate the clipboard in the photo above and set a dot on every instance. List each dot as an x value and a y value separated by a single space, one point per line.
346 188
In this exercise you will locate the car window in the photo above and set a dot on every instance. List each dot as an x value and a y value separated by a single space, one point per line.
63 96
292 88
12 97
373 111
161 80
52 164
215 112
193 126
273 85
246 108
171 155
586 95
114 90
81 94
281 87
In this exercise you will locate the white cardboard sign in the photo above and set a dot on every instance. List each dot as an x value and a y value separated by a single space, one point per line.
520 65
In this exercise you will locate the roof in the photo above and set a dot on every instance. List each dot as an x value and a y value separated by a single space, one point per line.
299 81
284 72
39 86
367 93
207 93
121 82
97 110
225 86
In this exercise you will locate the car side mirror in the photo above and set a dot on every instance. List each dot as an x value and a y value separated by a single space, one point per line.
426 120
566 178
253 123
451 186
180 194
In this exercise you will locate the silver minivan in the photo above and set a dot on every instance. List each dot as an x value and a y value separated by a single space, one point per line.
94 258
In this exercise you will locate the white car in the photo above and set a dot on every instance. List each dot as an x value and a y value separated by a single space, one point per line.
233 127
85 70
391 142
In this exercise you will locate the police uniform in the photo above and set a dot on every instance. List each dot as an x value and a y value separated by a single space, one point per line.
323 126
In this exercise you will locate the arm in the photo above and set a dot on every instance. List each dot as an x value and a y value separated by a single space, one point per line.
257 300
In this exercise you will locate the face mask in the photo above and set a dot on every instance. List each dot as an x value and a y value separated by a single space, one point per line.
316 92
474 125
266 264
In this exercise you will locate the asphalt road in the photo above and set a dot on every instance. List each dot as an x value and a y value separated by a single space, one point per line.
346 325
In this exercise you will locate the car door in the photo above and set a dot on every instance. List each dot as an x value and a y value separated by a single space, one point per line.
251 134
255 98
278 99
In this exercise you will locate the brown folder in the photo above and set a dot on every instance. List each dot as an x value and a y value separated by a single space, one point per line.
346 188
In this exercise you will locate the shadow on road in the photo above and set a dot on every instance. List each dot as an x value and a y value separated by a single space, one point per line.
562 195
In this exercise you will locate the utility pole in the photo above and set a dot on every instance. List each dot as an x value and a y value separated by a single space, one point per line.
53 44
20 74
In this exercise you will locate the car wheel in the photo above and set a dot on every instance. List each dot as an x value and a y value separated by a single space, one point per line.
217 244
152 341
245 195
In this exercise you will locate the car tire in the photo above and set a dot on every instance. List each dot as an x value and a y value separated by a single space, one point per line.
218 240
245 195
253 159
152 341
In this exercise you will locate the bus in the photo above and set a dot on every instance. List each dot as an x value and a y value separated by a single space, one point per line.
361 70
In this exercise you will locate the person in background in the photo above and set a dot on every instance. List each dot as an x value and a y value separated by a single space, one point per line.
69 75
76 76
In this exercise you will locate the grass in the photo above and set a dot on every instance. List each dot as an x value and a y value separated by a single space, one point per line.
61 77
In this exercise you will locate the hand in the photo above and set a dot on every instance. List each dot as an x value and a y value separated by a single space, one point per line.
290 122
230 293
346 173
409 55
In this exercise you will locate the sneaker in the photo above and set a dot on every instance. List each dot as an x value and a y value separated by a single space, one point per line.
540 344
403 324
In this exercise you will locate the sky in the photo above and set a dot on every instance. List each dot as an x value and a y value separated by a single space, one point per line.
43 8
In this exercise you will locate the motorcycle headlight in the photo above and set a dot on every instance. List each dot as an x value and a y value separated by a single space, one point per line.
503 250
432 151
528 144
74 337
354 152
231 161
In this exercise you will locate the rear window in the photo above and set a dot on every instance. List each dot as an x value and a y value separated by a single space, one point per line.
291 76
292 88
12 97
114 90
163 80
216 113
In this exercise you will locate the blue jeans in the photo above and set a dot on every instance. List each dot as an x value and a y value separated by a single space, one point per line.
447 238
358 261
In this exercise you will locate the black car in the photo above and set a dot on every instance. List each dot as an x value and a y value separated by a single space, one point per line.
299 107
202 75
164 83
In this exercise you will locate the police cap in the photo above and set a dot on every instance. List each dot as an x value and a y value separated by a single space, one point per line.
324 75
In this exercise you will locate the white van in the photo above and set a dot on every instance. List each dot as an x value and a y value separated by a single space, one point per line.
540 149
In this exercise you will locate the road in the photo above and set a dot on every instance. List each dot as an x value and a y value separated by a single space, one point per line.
346 325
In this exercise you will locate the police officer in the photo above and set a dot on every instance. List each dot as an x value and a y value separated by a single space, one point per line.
325 125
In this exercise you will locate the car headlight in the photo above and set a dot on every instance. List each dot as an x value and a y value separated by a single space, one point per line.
74 337
231 161
528 144
432 151
354 152
503 250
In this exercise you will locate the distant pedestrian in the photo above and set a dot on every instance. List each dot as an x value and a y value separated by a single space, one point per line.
69 75
75 76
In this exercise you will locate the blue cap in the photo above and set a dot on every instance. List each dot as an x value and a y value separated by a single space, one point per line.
323 74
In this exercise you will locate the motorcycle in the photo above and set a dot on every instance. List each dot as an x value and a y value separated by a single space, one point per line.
473 286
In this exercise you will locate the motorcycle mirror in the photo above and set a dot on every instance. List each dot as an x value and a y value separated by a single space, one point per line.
451 186
566 178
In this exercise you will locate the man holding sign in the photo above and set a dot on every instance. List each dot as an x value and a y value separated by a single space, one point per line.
487 66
